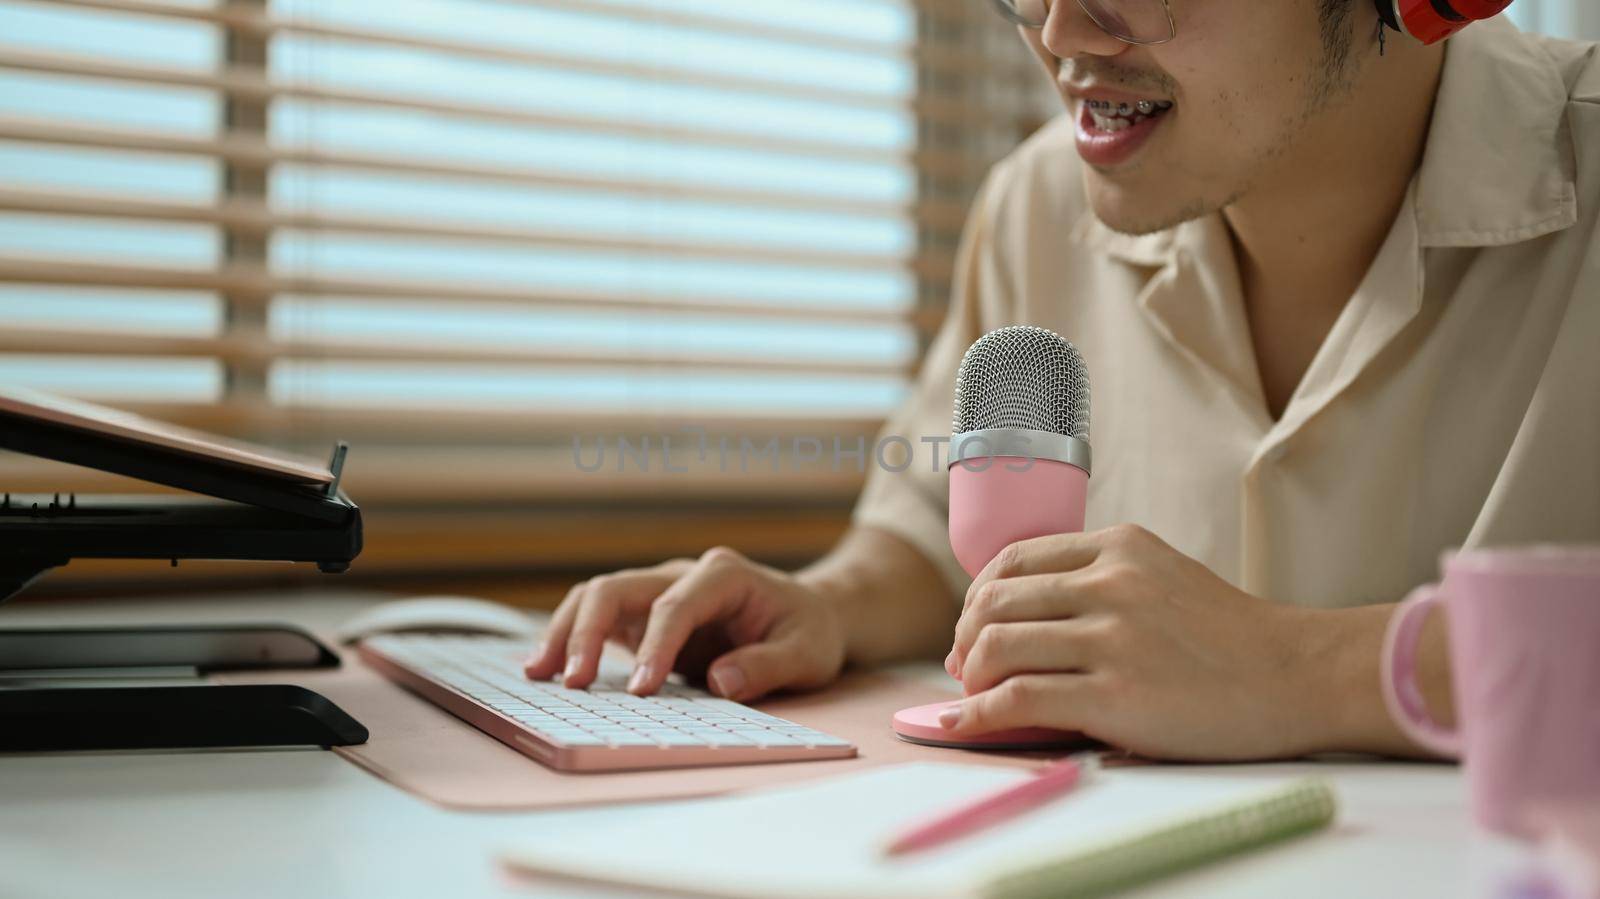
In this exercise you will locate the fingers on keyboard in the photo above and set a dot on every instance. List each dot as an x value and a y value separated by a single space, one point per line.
703 595
551 654
608 605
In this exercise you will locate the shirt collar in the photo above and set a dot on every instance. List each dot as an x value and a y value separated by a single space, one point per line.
1498 166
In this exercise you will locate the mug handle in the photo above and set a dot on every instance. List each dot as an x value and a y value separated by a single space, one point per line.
1400 691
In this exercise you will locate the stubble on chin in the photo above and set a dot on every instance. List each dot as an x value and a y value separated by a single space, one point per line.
1144 217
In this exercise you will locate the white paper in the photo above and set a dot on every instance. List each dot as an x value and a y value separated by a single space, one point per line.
825 838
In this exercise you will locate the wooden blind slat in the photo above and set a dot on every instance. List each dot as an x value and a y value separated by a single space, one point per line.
260 218
244 151
382 474
263 284
242 345
486 426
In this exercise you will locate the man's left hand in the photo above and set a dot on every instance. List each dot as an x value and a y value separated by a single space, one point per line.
1120 636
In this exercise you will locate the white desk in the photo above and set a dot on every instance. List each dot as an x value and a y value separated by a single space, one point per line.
307 823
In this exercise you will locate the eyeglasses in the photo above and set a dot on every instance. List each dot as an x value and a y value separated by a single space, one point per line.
1133 21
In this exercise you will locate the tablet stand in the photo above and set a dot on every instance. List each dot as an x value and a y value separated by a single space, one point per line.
255 507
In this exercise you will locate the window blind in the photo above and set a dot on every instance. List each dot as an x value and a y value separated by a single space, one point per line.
461 233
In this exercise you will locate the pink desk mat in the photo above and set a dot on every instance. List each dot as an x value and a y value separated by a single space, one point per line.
432 755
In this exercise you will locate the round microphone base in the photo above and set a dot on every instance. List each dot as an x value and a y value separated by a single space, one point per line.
920 724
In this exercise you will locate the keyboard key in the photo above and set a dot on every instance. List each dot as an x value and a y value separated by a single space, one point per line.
772 739
676 739
726 706
630 740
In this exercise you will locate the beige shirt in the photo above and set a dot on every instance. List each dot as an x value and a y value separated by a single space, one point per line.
1455 402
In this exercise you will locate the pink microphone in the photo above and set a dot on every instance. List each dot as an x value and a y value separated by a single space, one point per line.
1019 468
1019 447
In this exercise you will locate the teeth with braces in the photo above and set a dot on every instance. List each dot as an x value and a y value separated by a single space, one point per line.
1109 116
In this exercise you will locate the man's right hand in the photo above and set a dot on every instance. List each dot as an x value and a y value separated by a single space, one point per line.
747 628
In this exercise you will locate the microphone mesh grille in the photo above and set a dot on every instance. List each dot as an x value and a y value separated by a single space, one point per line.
1023 377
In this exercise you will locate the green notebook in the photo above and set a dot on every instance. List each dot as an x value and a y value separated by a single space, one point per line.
824 838
1125 859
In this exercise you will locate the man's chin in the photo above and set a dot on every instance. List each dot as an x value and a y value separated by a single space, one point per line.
1138 212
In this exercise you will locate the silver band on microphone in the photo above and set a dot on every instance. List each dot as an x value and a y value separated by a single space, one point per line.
1019 443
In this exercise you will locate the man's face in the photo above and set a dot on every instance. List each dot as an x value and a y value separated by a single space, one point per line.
1251 85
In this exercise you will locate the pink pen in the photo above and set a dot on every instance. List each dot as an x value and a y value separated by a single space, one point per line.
1052 781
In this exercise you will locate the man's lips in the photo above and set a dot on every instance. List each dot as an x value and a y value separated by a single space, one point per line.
1114 125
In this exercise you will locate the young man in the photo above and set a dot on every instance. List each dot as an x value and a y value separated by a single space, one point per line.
1342 312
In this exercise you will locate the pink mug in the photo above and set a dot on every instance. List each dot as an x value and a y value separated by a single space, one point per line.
1524 629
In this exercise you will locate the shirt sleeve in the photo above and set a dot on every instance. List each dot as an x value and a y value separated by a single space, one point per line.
913 502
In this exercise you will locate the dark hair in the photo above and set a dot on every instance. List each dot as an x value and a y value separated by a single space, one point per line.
1338 27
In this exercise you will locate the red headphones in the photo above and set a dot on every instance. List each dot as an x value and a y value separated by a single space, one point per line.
1431 21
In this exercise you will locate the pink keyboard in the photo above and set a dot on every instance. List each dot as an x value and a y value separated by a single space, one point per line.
603 728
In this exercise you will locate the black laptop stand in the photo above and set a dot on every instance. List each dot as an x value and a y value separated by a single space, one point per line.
244 514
